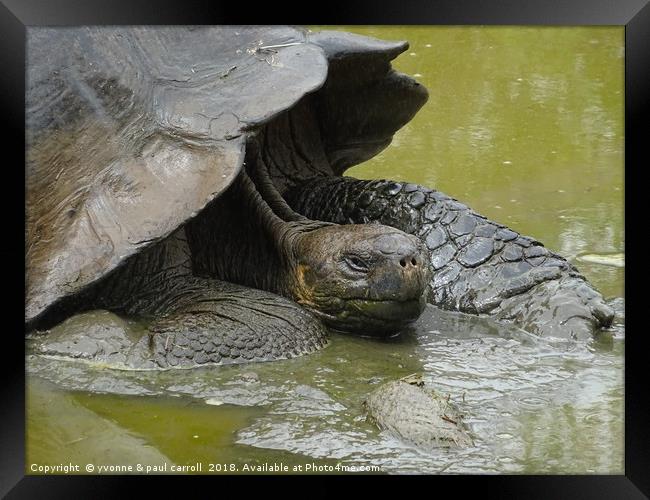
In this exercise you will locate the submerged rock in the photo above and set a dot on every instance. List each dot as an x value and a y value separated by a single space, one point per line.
99 338
417 415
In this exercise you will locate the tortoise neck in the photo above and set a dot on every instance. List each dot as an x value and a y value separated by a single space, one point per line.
281 225
249 235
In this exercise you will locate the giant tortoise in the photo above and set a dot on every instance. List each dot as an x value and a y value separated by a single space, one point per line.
191 178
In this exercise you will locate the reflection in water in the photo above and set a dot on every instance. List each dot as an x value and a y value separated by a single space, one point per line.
61 430
521 396
616 259
525 126
569 440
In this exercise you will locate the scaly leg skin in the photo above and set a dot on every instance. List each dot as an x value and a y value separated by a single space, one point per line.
221 323
479 266
211 323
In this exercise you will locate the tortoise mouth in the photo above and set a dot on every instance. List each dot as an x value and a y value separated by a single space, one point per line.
373 318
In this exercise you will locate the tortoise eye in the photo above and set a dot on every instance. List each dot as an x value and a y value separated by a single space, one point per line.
356 263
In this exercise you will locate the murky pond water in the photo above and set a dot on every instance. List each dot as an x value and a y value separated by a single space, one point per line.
525 125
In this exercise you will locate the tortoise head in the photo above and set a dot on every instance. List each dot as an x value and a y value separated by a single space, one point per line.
366 279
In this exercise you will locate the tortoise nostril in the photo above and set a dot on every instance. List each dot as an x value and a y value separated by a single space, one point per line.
405 261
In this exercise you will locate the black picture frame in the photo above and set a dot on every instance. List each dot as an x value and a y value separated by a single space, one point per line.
16 15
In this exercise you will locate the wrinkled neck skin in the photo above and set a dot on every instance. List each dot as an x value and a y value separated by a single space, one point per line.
250 235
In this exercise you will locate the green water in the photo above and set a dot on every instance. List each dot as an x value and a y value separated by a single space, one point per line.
525 125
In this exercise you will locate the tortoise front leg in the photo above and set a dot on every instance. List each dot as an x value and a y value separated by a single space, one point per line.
479 266
210 322
223 323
